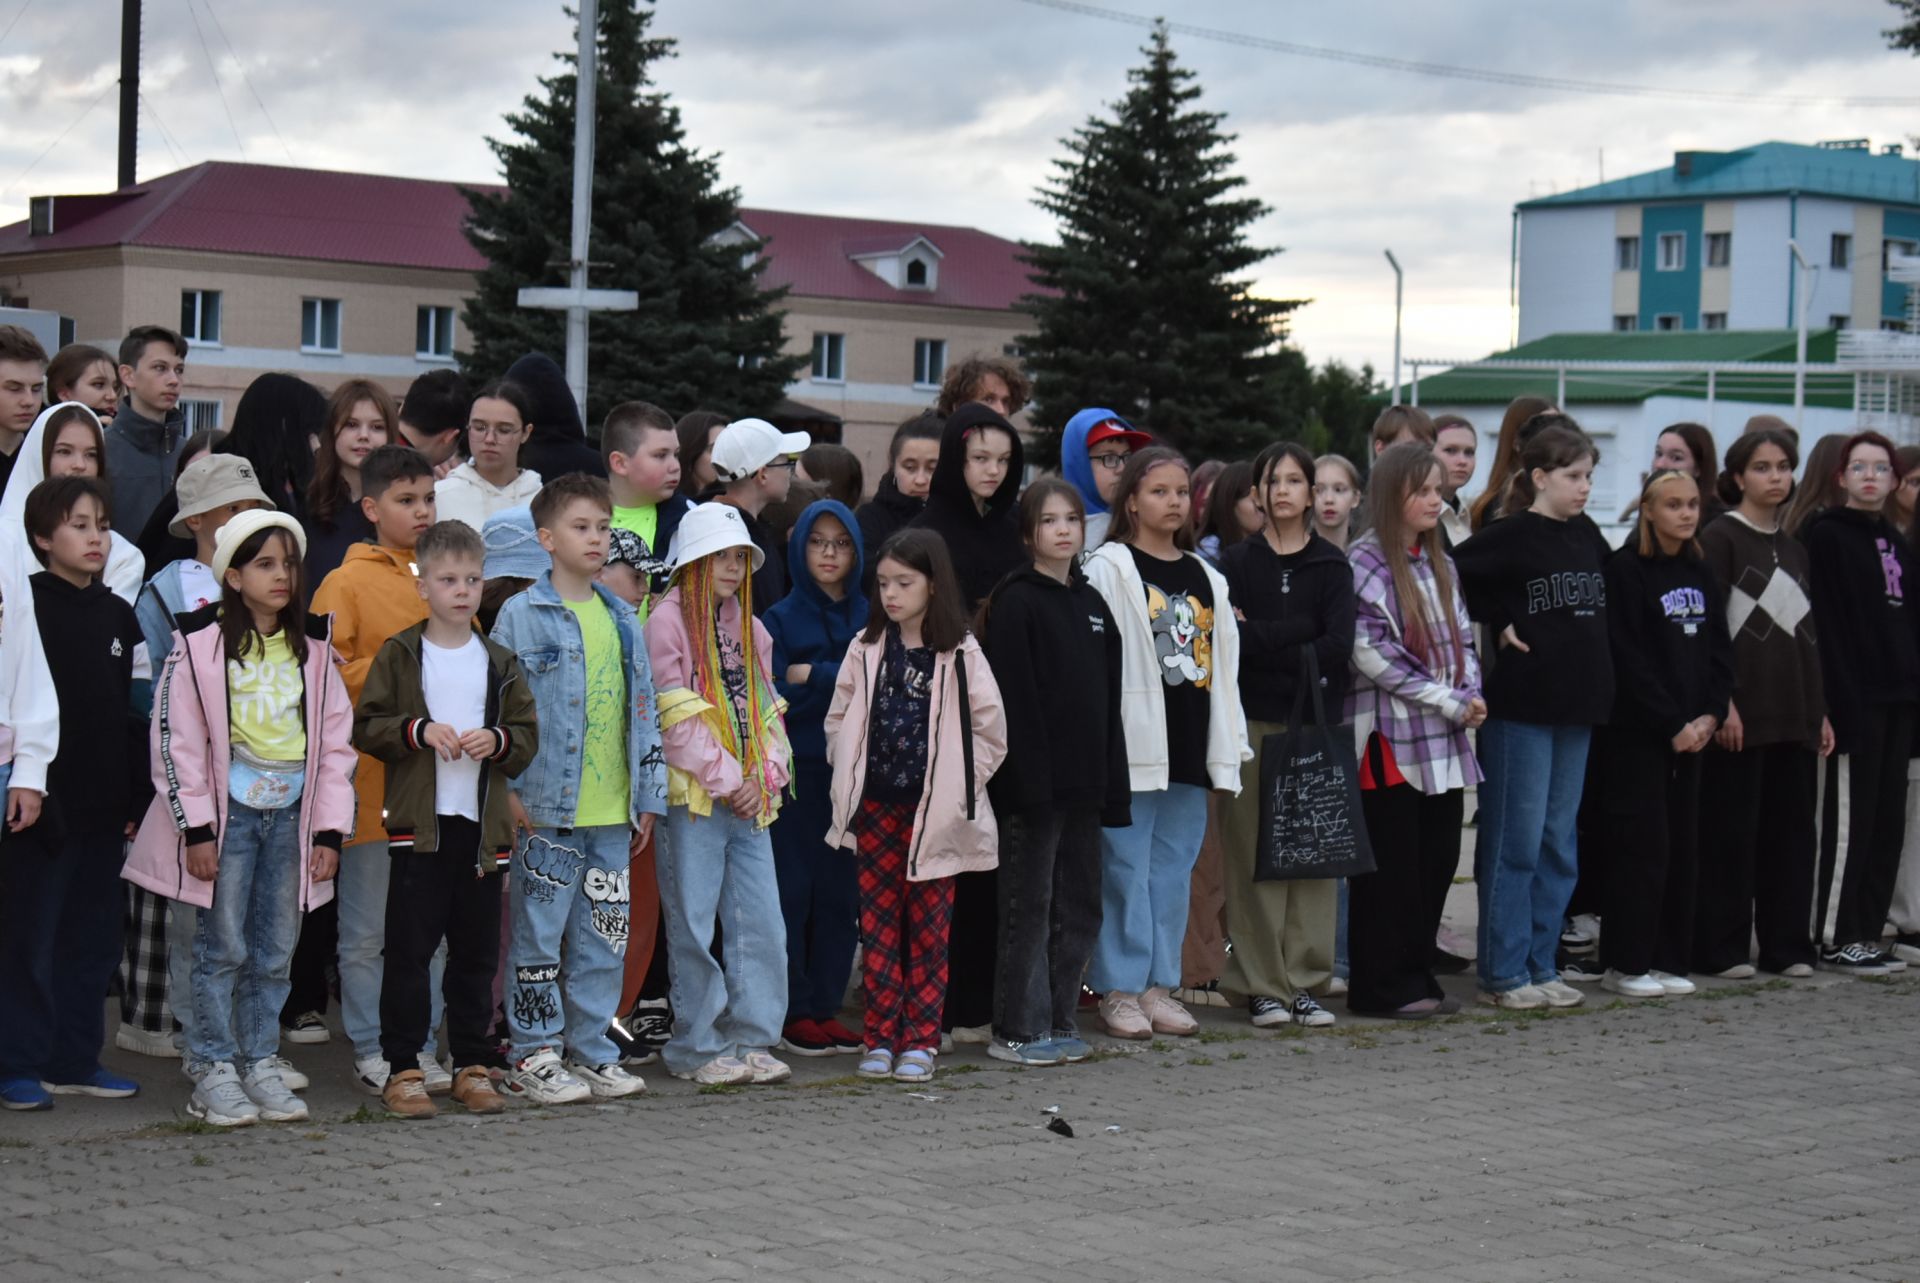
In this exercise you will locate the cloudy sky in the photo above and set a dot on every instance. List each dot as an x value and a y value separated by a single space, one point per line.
952 112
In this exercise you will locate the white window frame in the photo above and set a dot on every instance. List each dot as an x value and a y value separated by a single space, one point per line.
1674 259
1839 321
318 347
200 309
1626 253
925 375
434 334
829 357
1632 322
1679 322
198 412
1724 242
1840 252
1713 320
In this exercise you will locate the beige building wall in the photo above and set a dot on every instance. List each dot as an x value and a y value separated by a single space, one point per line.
1869 223
1626 285
1716 283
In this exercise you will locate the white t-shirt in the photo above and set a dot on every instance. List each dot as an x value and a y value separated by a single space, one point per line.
456 689
197 586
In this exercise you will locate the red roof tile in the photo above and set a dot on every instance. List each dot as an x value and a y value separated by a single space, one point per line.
229 208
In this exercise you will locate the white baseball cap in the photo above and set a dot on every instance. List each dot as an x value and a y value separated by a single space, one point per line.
708 528
747 445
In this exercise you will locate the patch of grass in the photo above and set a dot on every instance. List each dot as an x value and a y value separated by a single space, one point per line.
179 1127
844 1080
1236 1055
1299 1051
1095 1057
1363 1039
314 1136
1222 1035
369 1114
1159 1044
1443 1050
1200 1060
722 1089
9 1142
201 1160
962 1069
1495 1029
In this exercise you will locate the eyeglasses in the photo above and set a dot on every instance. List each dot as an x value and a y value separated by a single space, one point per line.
493 431
1111 462
789 463
821 544
1870 469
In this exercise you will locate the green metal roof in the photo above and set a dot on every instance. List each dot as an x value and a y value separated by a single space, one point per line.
1475 386
1761 170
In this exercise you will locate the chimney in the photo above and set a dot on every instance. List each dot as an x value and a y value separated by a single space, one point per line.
129 91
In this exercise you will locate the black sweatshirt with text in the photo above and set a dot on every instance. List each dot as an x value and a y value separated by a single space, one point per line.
1868 622
1672 654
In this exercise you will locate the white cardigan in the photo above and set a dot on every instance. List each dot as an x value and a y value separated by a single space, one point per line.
1143 706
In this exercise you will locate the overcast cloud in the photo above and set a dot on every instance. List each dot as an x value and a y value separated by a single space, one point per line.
952 113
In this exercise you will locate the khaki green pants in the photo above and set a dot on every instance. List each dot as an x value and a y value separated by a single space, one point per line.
1282 932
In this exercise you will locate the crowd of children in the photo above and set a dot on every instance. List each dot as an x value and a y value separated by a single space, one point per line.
634 760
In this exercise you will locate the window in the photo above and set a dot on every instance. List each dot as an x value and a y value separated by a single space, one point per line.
1667 321
1719 248
1840 251
929 361
1890 248
1673 251
319 325
829 358
201 414
1713 320
1894 327
433 333
1625 322
1626 253
917 272
200 316
1839 321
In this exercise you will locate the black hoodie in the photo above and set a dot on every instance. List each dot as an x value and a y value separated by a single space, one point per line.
984 546
1672 653
97 780
1055 651
879 517
1303 598
1869 626
559 442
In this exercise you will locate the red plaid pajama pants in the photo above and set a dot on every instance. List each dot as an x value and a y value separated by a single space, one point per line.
903 926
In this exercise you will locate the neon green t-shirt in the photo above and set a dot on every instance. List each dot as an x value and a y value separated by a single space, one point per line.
604 780
645 522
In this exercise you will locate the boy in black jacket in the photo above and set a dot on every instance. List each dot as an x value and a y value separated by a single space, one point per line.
60 936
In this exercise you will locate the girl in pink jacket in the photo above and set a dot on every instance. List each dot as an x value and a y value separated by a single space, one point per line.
914 733
253 759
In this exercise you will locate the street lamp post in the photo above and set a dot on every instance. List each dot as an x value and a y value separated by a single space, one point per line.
1800 334
1399 282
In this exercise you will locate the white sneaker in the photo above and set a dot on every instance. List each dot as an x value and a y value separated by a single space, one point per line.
439 1081
1739 971
219 1099
542 1079
1167 1016
292 1077
270 1094
1336 987
1798 970
1674 986
607 1082
371 1073
720 1071
1560 994
768 1068
980 1034
145 1042
1643 986
1524 998
1121 1014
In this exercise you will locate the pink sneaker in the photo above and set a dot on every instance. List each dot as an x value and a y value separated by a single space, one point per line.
1167 1016
1121 1014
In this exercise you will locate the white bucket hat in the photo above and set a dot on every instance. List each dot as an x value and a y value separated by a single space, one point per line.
242 527
709 528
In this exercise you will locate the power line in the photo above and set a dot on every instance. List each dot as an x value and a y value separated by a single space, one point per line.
1484 75
215 73
16 21
246 79
166 135
61 137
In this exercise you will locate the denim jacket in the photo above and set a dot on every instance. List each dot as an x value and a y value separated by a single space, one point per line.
538 628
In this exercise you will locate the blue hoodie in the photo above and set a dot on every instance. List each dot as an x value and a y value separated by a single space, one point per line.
1074 464
809 627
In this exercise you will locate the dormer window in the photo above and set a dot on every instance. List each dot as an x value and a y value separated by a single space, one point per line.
914 265
917 273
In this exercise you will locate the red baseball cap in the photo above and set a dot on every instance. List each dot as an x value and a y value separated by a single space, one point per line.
1117 430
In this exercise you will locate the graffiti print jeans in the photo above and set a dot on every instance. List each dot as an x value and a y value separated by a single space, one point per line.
570 895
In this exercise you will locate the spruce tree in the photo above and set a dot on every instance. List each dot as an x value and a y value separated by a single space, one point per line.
706 335
1147 309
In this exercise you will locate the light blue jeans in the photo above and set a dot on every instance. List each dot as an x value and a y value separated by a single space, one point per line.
1146 873
243 945
361 889
1526 857
720 866
569 894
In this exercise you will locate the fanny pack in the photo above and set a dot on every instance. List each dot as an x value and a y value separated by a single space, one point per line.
264 785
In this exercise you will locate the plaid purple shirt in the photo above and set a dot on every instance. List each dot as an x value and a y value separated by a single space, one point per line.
1417 706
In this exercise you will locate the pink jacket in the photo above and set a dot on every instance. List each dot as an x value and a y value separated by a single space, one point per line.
192 750
952 833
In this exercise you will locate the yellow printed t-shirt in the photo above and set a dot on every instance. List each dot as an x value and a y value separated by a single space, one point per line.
645 522
603 759
263 696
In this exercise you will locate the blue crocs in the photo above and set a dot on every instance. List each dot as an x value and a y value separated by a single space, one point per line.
98 1083
24 1093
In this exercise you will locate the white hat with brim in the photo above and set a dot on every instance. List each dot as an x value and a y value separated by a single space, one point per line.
244 526
709 528
747 445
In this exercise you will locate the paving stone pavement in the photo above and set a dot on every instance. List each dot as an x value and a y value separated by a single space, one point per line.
1755 1131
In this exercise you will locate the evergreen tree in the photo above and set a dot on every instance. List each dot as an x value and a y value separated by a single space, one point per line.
1146 307
706 335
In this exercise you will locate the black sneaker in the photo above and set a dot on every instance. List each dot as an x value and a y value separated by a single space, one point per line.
1579 971
1444 963
1853 959
307 1027
1307 1012
652 1021
1892 961
1268 1012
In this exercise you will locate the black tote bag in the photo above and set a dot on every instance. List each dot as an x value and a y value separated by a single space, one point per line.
1310 821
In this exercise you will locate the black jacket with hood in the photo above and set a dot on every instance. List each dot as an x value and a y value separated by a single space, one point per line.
1868 623
984 546
879 517
559 443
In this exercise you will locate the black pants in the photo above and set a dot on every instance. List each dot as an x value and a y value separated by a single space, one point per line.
1592 833
1757 844
1652 823
60 944
1393 912
319 941
1049 879
1862 816
972 946
432 896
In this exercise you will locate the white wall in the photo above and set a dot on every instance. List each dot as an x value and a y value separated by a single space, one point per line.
1566 270
1819 219
1760 258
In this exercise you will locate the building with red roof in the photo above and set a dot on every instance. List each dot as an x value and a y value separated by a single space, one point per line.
334 275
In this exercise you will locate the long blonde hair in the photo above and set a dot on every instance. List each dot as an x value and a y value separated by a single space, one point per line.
1398 473
1645 540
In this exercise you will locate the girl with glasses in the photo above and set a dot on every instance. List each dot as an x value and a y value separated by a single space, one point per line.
491 479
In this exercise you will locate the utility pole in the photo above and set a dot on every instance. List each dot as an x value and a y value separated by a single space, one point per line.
1399 280
576 299
129 91
1800 336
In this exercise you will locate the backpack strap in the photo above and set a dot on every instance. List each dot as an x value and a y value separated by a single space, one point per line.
966 714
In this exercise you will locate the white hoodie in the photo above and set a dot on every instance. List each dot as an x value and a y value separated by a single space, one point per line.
465 495
28 708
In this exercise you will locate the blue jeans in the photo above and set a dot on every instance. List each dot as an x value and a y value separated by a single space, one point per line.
1526 857
819 897
243 945
361 890
721 866
1146 873
569 892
